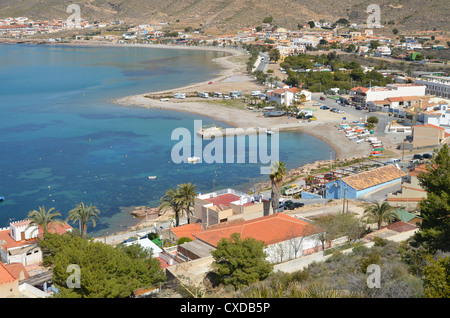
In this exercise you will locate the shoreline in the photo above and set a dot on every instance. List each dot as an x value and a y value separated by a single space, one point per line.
233 75
243 118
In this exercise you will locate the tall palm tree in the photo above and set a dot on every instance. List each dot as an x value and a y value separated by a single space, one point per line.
277 176
43 217
84 214
380 213
186 197
171 200
276 79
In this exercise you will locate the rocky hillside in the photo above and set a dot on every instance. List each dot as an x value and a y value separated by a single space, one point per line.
229 15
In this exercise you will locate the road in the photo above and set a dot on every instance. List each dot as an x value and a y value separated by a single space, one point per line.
120 237
264 62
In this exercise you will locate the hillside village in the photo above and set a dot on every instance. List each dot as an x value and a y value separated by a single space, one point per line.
412 122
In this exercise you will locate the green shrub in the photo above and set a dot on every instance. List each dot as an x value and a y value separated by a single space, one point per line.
183 239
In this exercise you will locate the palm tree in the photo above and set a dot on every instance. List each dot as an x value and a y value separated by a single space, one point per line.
43 217
276 79
186 196
83 214
380 213
171 200
279 172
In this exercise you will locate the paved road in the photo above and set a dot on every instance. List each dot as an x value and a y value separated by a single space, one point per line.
264 63
120 237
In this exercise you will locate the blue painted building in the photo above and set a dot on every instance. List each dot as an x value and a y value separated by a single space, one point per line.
357 185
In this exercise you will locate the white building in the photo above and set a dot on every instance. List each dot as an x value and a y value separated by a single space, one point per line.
382 51
18 242
437 114
287 96
435 85
364 95
148 245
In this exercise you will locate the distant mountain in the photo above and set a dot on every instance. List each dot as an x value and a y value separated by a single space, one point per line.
230 15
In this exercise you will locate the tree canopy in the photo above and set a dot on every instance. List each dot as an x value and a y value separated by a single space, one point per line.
434 231
105 271
240 262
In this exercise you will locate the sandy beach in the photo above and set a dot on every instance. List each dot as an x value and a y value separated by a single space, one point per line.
235 77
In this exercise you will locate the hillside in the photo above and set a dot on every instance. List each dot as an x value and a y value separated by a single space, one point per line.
230 15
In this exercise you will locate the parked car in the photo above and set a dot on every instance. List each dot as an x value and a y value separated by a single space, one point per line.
324 107
427 156
358 108
323 98
292 205
418 157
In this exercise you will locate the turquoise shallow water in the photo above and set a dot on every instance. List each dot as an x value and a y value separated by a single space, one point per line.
63 141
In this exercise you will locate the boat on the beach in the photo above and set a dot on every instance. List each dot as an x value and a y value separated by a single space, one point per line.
276 113
152 177
293 190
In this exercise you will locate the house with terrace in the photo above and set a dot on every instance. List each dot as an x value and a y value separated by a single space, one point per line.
286 237
18 241
228 204
363 95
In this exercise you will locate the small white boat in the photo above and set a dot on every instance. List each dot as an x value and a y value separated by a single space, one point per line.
269 131
193 159
152 177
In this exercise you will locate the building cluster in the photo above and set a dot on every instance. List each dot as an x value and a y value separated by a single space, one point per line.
355 38
19 257
23 26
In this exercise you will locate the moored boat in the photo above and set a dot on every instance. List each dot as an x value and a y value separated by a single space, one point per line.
193 159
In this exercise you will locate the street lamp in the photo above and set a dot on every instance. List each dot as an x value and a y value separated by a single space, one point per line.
162 236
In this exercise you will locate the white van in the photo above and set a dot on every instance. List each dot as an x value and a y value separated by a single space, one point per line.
179 95
255 93
203 95
393 160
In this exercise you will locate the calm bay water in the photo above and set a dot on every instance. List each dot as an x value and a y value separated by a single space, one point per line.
63 141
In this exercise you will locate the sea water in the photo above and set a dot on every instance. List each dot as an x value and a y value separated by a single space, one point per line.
63 141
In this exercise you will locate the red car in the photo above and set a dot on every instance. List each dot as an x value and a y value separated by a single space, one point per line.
322 97
210 83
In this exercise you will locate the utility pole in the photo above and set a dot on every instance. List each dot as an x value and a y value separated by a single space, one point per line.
343 206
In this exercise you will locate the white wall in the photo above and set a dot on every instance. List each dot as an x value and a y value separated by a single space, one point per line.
286 250
374 94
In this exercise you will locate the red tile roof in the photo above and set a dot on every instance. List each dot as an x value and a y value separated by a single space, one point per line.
223 200
163 262
270 229
362 89
430 126
401 226
187 230
5 275
16 268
